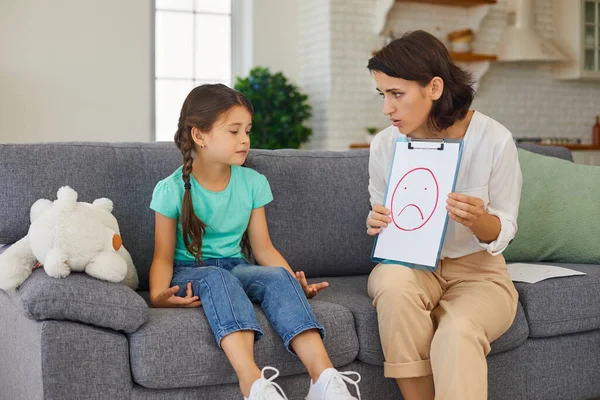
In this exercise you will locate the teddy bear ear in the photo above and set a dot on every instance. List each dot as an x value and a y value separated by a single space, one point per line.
104 203
38 208
66 198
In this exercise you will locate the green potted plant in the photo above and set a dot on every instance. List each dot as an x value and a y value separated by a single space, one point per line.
280 110
371 131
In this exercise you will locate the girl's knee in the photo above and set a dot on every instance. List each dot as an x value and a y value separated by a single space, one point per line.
211 276
219 276
277 275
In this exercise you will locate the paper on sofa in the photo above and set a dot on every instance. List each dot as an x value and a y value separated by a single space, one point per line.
532 273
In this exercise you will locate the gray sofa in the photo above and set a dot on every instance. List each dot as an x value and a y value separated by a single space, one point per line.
80 338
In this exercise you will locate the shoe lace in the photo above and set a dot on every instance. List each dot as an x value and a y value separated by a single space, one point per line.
337 383
268 387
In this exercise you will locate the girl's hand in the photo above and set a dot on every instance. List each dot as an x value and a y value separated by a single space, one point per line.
465 210
310 290
379 218
168 299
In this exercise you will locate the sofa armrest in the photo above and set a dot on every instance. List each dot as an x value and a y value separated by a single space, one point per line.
81 298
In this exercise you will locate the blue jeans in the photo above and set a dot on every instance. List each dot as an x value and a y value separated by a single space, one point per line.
229 286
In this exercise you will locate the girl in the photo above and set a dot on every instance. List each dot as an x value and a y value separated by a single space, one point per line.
436 327
202 211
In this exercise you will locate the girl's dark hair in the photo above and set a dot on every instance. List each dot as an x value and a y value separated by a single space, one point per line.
203 106
419 56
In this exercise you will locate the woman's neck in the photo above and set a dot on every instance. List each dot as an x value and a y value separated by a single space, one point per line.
214 177
456 131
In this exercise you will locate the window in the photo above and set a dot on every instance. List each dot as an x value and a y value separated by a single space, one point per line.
193 45
591 35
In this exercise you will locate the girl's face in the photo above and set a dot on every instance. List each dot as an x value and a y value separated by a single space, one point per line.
407 103
228 141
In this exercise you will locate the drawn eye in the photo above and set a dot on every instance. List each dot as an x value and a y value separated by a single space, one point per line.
425 189
404 187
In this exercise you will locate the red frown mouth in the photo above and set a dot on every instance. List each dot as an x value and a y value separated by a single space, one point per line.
412 205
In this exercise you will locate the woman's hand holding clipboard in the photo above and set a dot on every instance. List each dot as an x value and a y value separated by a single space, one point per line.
379 218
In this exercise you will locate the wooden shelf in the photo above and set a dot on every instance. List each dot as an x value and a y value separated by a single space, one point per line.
359 145
458 3
472 57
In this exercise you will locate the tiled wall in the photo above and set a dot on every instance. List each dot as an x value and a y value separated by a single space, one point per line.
314 58
524 97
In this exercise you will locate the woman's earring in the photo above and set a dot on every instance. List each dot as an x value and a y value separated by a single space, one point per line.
202 146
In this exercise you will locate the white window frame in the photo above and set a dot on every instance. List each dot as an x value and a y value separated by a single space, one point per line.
241 48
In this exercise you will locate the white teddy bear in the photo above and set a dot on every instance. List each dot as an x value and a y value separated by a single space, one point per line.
66 235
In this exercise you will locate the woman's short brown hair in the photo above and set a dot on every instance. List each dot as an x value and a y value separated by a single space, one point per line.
419 56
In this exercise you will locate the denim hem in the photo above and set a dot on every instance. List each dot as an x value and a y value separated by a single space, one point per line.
302 297
236 328
299 330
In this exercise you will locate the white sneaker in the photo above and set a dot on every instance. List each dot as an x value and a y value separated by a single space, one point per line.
331 385
266 389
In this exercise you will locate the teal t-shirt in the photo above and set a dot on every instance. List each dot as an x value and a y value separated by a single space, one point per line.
225 213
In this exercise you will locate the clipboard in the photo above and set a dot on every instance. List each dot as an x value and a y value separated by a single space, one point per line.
422 173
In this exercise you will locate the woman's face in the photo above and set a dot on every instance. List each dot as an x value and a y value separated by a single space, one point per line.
407 103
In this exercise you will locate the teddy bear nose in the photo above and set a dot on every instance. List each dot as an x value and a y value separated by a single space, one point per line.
117 242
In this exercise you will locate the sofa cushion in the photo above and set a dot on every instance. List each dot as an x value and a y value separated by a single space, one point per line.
563 305
559 212
176 348
80 361
321 201
352 293
81 298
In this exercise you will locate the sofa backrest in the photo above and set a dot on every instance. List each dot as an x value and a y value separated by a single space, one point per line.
552 151
317 219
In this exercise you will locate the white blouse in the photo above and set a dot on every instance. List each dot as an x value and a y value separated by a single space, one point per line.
489 169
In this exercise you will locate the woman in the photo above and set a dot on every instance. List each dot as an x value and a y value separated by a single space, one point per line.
436 327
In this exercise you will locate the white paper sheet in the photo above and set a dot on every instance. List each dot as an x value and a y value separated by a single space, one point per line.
418 186
532 273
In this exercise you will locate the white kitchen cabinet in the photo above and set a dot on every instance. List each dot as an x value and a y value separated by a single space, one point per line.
576 31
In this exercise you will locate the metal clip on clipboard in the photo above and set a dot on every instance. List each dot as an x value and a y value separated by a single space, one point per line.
420 144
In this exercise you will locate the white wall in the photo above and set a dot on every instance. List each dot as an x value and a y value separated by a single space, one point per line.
76 70
275 31
355 104
314 59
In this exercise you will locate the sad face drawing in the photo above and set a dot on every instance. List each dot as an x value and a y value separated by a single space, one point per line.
415 199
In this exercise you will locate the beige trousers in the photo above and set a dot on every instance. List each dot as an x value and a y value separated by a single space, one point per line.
443 322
